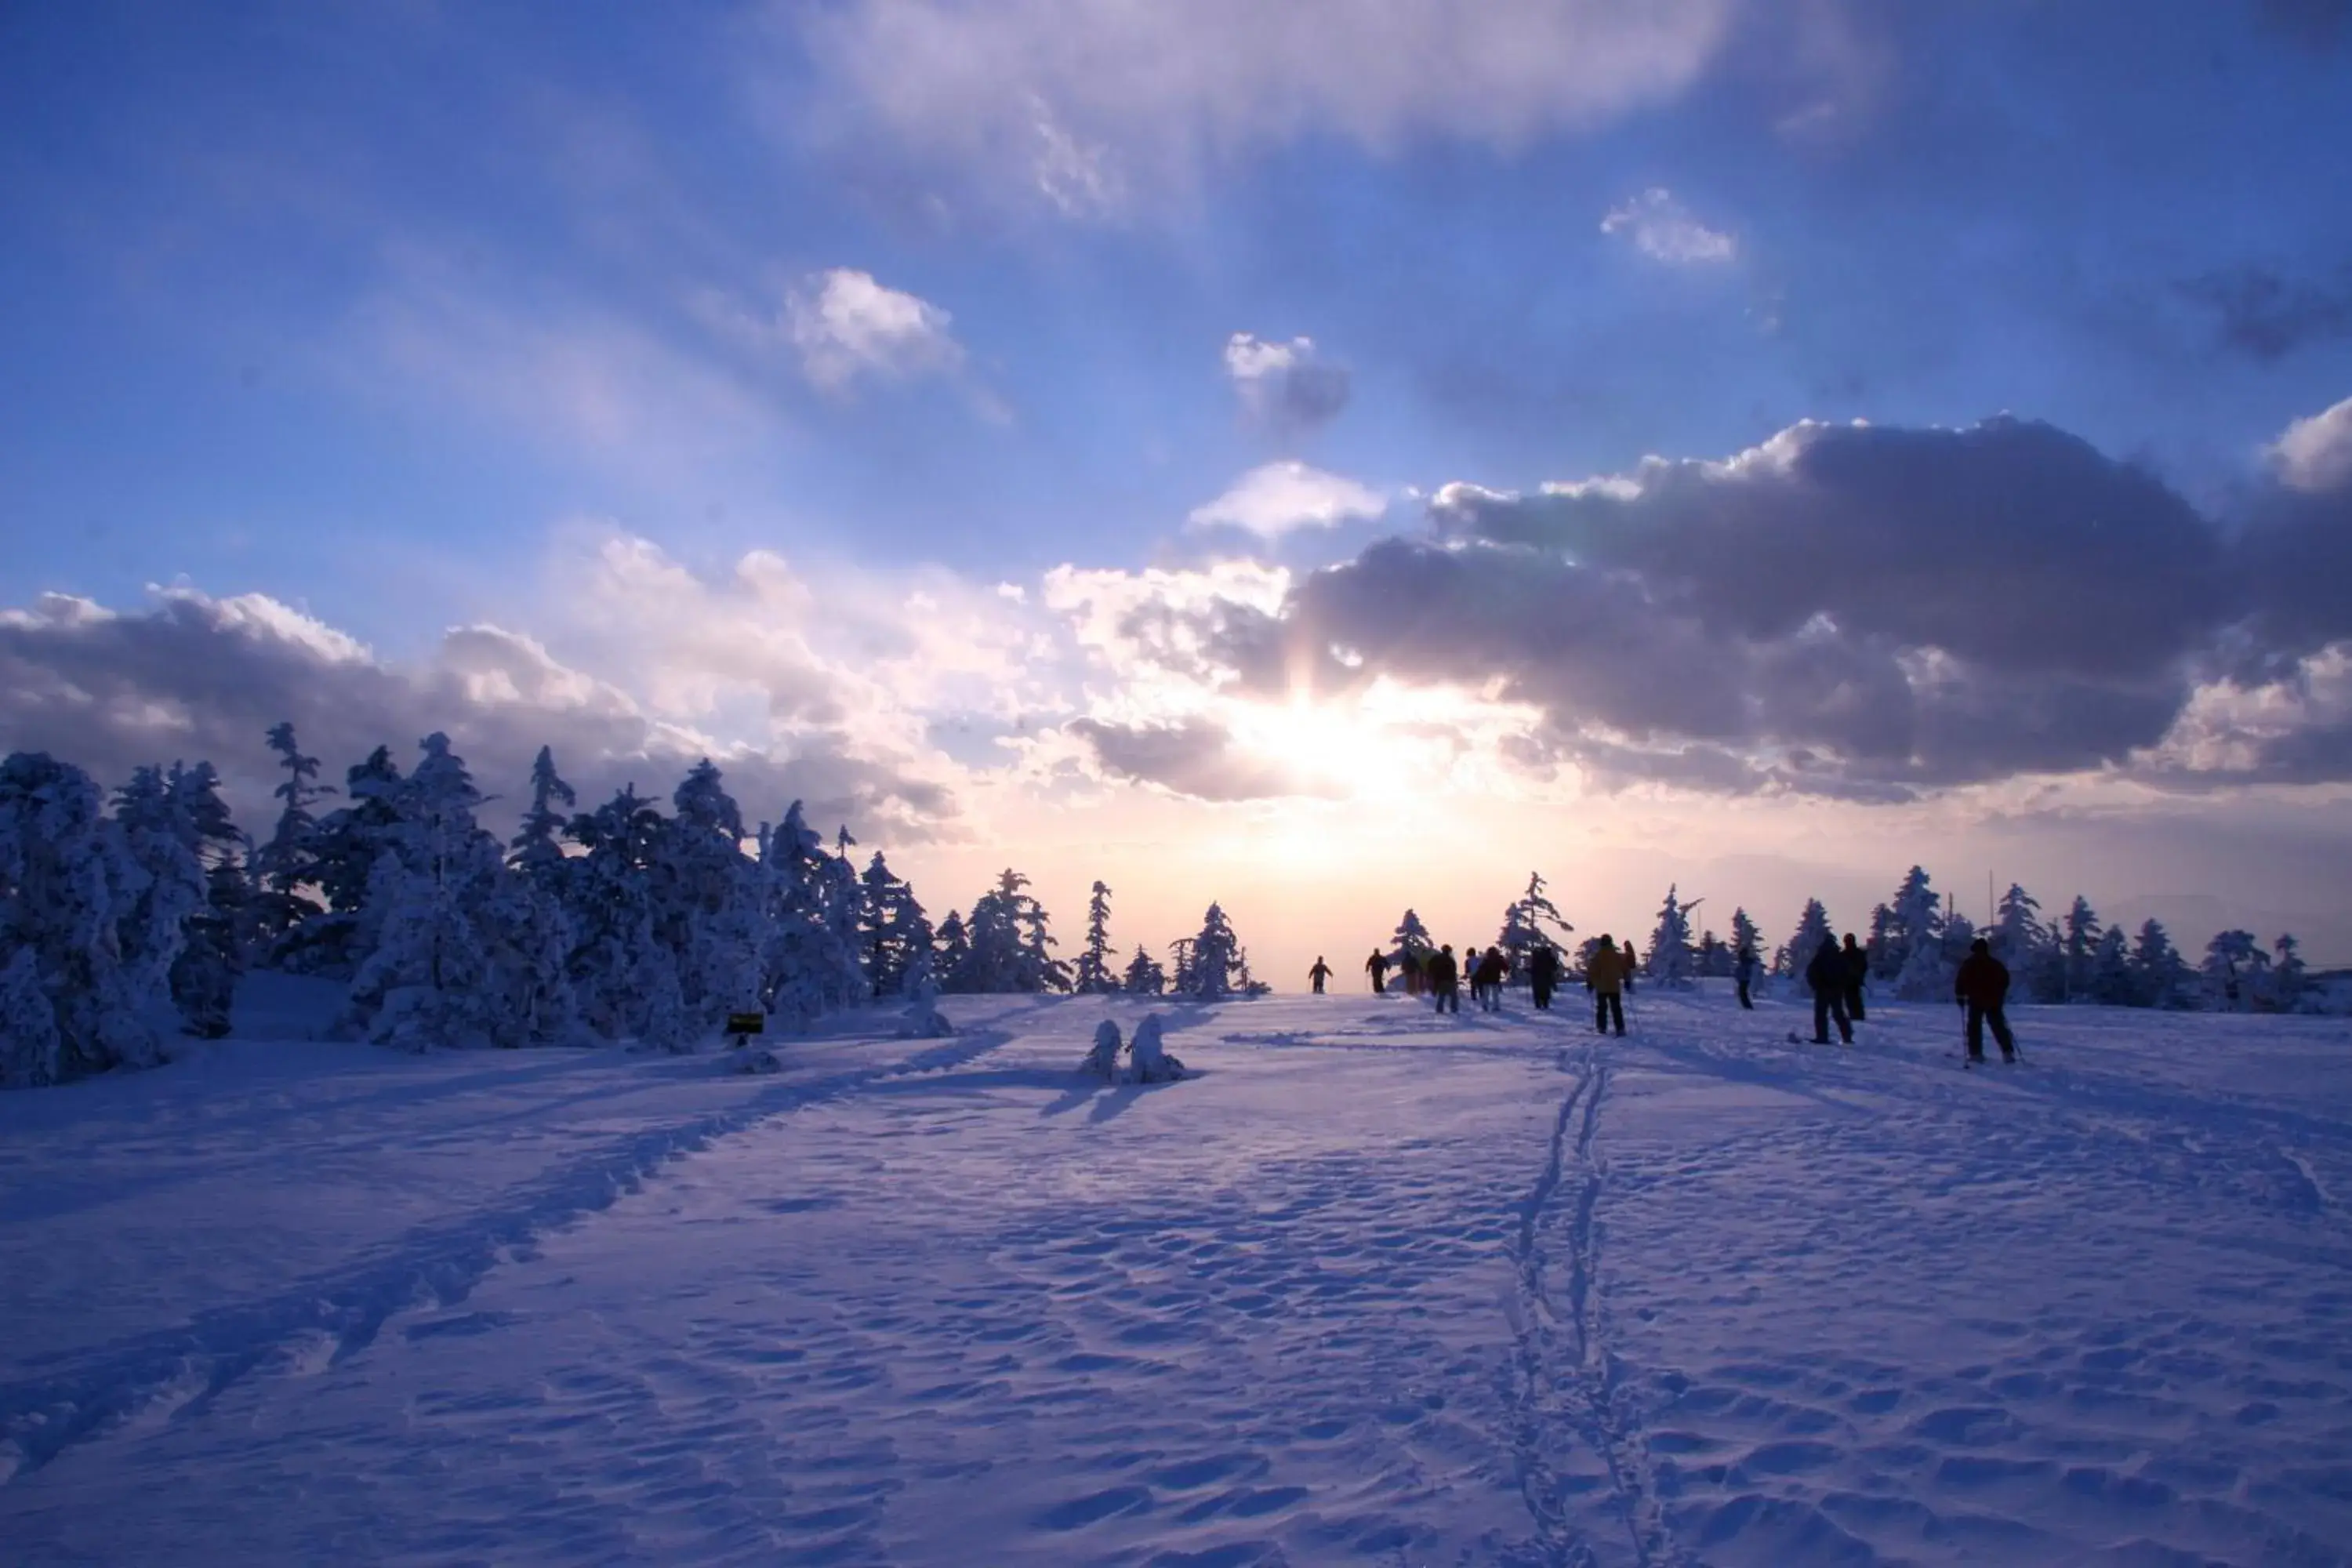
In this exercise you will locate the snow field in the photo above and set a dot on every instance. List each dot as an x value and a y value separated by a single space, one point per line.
1372 1286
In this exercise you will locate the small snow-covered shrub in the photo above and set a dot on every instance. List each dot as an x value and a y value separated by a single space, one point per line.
1102 1062
1153 1062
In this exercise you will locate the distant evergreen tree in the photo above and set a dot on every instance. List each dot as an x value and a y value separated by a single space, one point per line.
2234 965
1528 923
1179 965
536 850
1917 932
216 935
1744 936
1410 937
1670 960
2079 946
346 848
2288 976
1217 969
1144 976
896 929
1009 939
2160 974
622 980
2111 983
286 867
1812 926
159 830
2017 940
1094 971
954 957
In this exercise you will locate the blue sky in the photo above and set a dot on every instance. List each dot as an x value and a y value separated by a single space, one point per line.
410 317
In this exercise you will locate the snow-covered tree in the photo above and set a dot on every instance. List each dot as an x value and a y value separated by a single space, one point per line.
803 951
162 836
1144 976
923 1019
1152 1063
896 930
1529 923
1885 952
1813 927
954 957
1744 936
623 981
2111 983
2079 944
537 850
2234 964
1918 931
2159 974
72 1002
1102 1060
1670 961
1215 970
1094 971
286 867
345 848
1179 965
2288 974
2016 938
1010 943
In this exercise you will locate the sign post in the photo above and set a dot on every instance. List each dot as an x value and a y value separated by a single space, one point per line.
742 1026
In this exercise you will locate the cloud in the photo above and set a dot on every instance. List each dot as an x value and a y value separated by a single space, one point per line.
2266 317
1661 228
1190 756
1274 498
1087 107
192 677
1285 388
848 328
2315 454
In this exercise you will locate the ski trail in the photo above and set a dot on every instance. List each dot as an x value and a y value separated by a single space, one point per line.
1572 1388
142 1383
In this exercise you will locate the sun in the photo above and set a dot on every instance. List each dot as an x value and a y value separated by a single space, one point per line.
1328 750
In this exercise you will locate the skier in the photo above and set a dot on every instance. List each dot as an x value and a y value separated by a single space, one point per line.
1857 970
1604 976
1543 974
1376 967
1743 974
1320 973
1632 967
1827 975
1981 986
1488 977
1444 978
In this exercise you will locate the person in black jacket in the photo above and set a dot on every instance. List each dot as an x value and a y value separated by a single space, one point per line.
1376 967
1982 986
1743 974
1827 975
1543 974
1444 977
1320 973
1857 971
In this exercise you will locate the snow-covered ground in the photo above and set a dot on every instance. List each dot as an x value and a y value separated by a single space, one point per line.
1373 1287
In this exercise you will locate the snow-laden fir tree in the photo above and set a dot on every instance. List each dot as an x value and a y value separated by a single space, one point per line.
2234 964
1144 976
842 897
953 956
1670 961
2161 975
162 836
1179 965
1714 957
896 931
1744 936
800 955
2016 938
1812 929
1918 932
706 902
285 868
1216 969
2079 944
537 848
624 982
1102 1060
2111 983
1529 923
1410 939
75 1003
1152 1064
1010 944
1094 974
923 1020
2289 975
345 848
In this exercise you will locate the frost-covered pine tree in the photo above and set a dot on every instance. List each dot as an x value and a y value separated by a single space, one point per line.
2234 964
72 1004
1714 958
843 900
2111 983
286 868
617 967
536 849
1094 974
2016 936
1670 960
1744 936
953 956
2081 942
2288 973
1525 922
161 836
1812 926
1010 942
1215 970
896 930
345 848
1918 927
1412 939
1152 1061
706 905
1102 1060
2159 974
1179 965
1144 976
800 957
1884 951
923 1020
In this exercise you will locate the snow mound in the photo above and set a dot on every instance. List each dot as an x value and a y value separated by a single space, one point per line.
1102 1062
1153 1062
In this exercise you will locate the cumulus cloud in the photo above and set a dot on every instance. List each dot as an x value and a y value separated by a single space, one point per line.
1288 388
192 677
848 328
1660 227
1081 105
1274 498
1193 756
1845 611
2315 454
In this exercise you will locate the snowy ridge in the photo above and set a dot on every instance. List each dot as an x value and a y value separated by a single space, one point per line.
322 1321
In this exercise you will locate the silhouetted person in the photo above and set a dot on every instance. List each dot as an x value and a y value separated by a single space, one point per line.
1632 967
1858 972
1743 974
1488 977
1376 967
1604 976
1444 977
1543 974
1320 973
1826 975
1982 987
1416 970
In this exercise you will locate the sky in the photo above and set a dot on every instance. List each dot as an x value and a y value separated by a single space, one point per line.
1323 457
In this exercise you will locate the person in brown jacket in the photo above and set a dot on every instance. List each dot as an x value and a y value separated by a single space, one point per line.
1604 976
1982 986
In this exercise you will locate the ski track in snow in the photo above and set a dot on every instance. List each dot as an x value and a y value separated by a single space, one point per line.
141 1385
1375 1286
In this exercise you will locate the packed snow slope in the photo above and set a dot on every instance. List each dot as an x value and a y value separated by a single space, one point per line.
1372 1286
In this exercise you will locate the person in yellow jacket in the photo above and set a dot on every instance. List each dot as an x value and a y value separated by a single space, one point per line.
1604 976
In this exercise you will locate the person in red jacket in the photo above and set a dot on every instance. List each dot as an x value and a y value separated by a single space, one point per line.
1981 986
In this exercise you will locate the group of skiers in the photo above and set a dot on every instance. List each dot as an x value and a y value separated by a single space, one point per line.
1835 975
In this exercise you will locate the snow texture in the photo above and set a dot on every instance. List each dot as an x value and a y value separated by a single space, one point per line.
1463 1290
